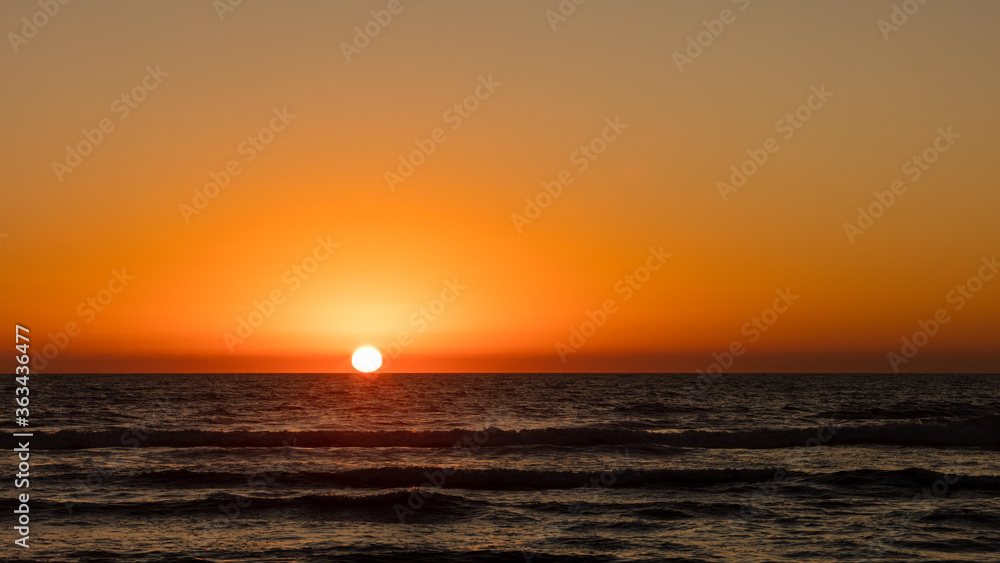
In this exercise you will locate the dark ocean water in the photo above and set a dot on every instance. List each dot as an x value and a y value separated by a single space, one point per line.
471 467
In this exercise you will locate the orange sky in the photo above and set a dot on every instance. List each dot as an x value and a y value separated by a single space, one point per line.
616 107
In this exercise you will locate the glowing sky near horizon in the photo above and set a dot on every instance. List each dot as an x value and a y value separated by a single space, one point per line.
470 186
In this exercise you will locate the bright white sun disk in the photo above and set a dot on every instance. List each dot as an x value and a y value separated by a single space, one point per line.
366 359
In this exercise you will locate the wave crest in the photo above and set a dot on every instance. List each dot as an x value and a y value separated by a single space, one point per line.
982 432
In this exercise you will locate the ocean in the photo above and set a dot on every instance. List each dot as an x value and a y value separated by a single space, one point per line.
510 467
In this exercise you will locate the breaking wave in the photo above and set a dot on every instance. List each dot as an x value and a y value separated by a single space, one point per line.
982 431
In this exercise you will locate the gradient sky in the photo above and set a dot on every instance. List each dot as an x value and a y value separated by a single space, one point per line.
323 176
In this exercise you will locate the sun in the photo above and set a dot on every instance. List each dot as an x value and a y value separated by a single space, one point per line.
366 359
